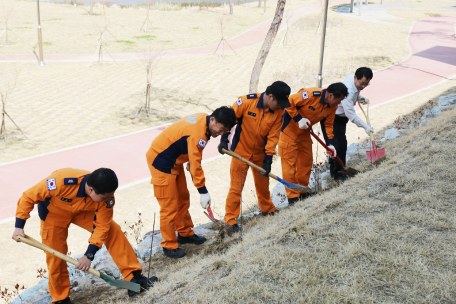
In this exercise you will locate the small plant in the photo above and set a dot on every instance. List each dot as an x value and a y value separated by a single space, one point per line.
9 295
47 43
41 273
135 229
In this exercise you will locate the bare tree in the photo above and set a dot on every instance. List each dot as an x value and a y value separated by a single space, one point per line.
264 51
7 11
147 22
8 87
230 2
149 61
259 3
264 12
223 40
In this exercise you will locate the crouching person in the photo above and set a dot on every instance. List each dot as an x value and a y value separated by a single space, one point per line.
71 196
182 142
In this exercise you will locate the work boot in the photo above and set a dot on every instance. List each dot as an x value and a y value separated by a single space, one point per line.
174 253
236 228
270 213
292 201
340 177
145 284
64 301
194 239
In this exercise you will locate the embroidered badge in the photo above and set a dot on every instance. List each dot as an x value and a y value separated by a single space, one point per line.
316 93
110 203
312 108
239 102
51 184
70 181
252 114
202 143
68 200
250 96
305 95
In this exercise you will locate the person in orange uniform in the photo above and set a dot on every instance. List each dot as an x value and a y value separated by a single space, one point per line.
259 118
182 142
308 107
71 196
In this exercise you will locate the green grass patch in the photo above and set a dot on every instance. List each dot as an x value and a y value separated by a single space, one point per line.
125 41
196 28
147 37
47 43
53 19
166 41
23 27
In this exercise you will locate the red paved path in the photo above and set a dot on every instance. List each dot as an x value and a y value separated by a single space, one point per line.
433 45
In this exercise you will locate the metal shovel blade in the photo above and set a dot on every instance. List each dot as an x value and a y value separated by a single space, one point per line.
120 283
295 186
375 154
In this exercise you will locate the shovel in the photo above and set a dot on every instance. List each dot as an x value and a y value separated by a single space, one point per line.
350 171
113 282
287 184
375 154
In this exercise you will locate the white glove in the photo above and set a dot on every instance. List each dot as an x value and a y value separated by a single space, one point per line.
369 129
331 147
304 123
364 101
205 200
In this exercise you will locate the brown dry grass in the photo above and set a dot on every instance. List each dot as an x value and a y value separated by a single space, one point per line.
385 236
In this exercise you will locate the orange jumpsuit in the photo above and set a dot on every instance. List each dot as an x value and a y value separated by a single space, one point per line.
255 139
295 145
181 142
62 201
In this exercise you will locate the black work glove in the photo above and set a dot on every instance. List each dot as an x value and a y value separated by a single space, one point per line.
223 145
266 166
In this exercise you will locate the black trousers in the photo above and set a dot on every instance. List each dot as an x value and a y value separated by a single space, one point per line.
340 143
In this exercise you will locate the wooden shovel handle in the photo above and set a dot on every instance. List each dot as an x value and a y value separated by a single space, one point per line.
367 118
231 153
32 242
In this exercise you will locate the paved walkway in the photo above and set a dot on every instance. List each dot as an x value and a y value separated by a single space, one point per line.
433 59
250 37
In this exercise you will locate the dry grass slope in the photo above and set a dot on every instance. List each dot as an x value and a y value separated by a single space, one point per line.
385 236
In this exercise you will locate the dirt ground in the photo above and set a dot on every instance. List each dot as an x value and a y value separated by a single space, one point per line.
90 104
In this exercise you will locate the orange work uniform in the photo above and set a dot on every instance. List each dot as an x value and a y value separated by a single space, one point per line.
181 142
62 201
295 145
255 139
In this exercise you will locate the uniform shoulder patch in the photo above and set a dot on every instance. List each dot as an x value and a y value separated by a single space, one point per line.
250 96
316 93
70 181
305 95
110 203
239 101
51 184
202 143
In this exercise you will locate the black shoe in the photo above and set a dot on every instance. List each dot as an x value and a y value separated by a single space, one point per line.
145 284
341 177
303 196
270 213
174 253
65 301
194 239
292 201
236 228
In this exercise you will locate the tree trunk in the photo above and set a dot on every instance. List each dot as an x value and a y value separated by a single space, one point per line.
254 79
264 13
231 6
259 3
